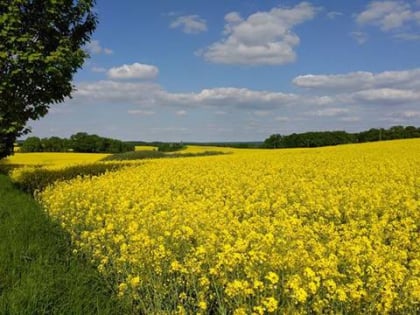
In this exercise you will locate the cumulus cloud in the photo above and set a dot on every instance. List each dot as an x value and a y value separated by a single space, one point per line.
325 92
133 71
352 99
149 94
328 112
385 88
107 91
228 96
94 48
410 114
408 79
264 38
389 15
190 24
387 96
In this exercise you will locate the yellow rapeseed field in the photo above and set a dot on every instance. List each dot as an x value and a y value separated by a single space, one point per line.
144 148
302 231
202 148
53 158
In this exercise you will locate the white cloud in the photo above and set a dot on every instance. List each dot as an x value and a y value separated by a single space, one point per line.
106 91
387 96
190 24
94 48
355 99
362 100
388 15
329 94
228 97
384 88
149 94
408 79
133 71
263 38
359 37
410 114
329 112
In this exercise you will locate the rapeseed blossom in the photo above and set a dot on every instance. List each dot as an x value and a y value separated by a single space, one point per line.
328 230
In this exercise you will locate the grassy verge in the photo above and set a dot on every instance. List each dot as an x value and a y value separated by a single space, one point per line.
38 273
141 155
30 179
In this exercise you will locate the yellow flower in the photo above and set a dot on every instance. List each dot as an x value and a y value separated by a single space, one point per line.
134 282
272 277
240 311
270 304
202 305
339 224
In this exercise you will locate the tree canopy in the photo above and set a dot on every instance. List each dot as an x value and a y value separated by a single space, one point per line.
325 138
41 47
79 142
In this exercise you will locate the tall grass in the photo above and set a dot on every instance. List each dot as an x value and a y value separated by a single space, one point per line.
38 272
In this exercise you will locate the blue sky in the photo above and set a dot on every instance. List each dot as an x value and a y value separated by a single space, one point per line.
241 70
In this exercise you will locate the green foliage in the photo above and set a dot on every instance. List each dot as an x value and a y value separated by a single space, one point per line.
83 142
326 138
79 142
6 168
170 147
55 144
148 154
40 50
38 272
32 144
395 132
274 141
32 179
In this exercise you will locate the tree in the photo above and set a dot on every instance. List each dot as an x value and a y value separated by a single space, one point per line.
274 141
53 144
32 144
41 47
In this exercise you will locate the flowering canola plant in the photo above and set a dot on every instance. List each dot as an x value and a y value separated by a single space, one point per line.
53 158
331 230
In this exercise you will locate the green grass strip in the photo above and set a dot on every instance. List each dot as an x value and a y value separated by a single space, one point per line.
38 273
147 154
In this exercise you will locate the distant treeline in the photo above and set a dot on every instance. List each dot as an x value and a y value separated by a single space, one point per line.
238 145
326 138
159 145
79 142
253 144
